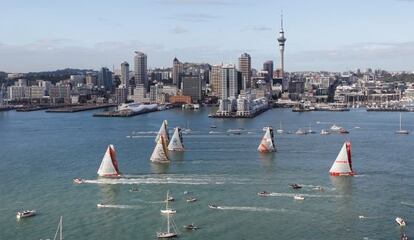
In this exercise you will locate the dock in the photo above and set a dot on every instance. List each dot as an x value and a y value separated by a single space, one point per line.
80 108
122 113
234 115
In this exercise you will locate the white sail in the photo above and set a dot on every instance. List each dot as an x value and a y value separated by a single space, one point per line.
343 163
176 143
159 154
163 132
109 164
267 144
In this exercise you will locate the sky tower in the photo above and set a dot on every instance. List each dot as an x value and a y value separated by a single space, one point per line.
281 39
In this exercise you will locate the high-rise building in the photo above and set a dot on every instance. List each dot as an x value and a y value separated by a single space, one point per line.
245 67
121 94
177 72
140 68
125 74
228 82
268 67
281 39
105 79
192 87
215 77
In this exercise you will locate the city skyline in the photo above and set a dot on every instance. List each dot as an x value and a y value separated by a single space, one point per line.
322 36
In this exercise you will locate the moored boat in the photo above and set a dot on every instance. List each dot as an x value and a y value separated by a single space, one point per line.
191 199
191 227
26 214
325 132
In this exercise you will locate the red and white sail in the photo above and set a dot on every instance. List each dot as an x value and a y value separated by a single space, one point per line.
160 155
343 163
267 144
176 143
163 132
109 164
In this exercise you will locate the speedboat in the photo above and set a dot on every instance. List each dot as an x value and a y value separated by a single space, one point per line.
213 206
78 180
263 193
168 211
191 227
295 186
191 199
25 214
186 192
325 132
100 205
235 131
298 197
400 221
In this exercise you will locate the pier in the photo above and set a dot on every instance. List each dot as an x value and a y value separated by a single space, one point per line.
235 115
122 113
81 108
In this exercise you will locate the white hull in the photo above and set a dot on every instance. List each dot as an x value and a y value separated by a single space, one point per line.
138 107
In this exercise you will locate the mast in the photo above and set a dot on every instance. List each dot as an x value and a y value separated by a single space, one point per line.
168 222
400 121
59 230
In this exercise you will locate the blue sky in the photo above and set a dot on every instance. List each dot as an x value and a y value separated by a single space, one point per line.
321 34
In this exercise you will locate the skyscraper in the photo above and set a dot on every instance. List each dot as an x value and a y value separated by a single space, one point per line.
105 79
140 68
192 87
215 77
268 66
281 39
228 83
177 72
245 67
125 74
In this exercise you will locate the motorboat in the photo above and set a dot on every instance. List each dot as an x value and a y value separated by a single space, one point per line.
300 132
263 193
191 227
78 180
168 211
135 189
100 205
191 199
169 199
343 131
186 192
325 132
400 221
335 128
318 188
295 186
213 126
237 131
26 214
298 197
213 206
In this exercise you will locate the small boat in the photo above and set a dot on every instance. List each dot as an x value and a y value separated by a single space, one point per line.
280 130
263 193
191 227
78 180
213 206
318 188
404 237
310 131
100 205
135 189
191 199
343 131
300 132
401 131
325 132
235 131
298 197
171 229
361 217
213 126
400 221
335 128
295 186
168 210
26 214
186 192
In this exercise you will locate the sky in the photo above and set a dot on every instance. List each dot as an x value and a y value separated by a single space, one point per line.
329 35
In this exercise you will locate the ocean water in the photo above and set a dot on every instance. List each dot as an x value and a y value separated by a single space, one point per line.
41 152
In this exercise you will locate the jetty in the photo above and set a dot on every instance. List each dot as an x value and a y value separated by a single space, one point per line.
72 109
122 113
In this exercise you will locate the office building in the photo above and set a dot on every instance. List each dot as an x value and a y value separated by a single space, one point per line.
245 67
192 87
140 68
105 81
268 67
125 74
215 79
177 72
228 82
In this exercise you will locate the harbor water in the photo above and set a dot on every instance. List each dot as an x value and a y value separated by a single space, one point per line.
40 154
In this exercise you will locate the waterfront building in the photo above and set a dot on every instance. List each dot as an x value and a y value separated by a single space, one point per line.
22 82
59 94
215 79
245 67
177 72
139 95
35 92
121 94
228 82
125 74
16 92
192 87
140 68
105 81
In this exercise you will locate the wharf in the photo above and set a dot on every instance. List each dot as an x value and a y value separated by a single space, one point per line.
122 113
233 115
80 108
389 110
2 109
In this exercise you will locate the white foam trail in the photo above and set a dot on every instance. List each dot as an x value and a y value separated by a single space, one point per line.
250 209
119 206
275 194
408 204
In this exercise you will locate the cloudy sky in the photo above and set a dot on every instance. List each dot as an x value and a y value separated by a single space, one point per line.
334 35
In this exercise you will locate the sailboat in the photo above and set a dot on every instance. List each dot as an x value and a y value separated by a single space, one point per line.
343 163
401 131
163 132
176 143
109 164
159 155
167 210
267 144
187 130
280 130
310 129
171 229
59 230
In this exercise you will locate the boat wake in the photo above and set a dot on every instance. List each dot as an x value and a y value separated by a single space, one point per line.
275 194
408 204
119 206
174 179
251 209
